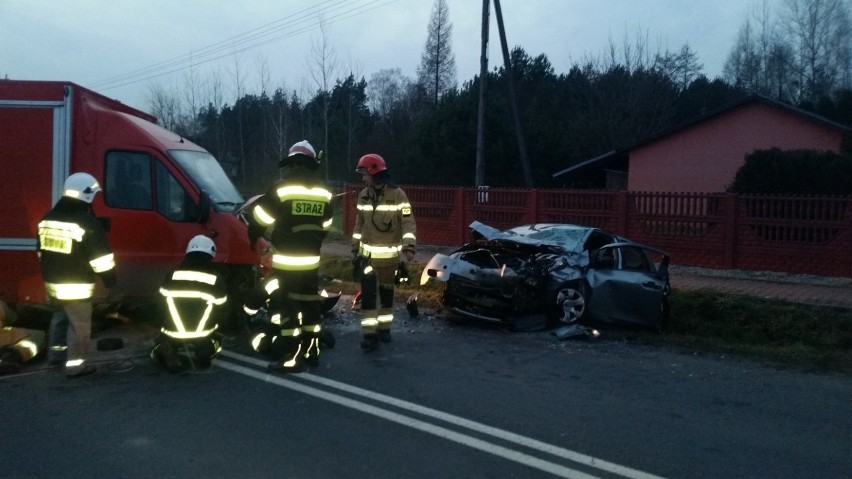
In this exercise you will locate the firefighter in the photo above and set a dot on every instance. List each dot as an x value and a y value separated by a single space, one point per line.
195 296
264 326
73 250
298 211
384 230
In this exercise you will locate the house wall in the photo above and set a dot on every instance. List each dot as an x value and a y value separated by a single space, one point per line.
705 157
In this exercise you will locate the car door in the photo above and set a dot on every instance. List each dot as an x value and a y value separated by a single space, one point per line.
627 285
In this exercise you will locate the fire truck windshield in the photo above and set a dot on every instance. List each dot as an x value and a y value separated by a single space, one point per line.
208 175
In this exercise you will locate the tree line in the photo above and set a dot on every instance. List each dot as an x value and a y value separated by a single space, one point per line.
427 128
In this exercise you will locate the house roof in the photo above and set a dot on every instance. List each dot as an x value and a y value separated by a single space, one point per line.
619 157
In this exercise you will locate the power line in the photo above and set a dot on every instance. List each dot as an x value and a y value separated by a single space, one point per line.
286 27
210 49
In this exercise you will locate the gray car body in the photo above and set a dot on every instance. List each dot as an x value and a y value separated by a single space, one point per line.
561 272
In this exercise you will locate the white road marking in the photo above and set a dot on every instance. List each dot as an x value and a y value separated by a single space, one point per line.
458 421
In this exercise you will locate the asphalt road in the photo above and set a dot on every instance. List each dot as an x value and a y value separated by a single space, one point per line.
444 399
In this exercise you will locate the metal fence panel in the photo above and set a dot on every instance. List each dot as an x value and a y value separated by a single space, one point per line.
797 234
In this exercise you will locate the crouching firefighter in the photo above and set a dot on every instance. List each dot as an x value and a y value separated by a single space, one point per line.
195 297
265 327
298 211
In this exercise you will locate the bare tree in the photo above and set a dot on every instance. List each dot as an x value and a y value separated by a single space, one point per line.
193 86
632 56
803 54
385 90
323 70
239 92
216 90
742 67
279 119
267 160
165 105
821 37
216 100
263 75
681 68
352 120
761 59
437 70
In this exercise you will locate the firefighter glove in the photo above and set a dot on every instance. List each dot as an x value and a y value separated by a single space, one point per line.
402 276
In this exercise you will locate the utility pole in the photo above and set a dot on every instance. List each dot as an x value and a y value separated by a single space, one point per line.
480 120
513 103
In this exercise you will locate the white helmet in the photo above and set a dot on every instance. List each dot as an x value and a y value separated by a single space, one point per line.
81 186
203 244
301 153
302 148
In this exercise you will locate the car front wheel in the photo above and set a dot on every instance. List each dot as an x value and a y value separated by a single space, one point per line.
568 302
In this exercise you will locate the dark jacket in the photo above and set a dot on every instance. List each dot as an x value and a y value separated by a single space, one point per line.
300 214
196 296
73 250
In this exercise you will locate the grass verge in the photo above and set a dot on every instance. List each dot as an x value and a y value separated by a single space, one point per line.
808 337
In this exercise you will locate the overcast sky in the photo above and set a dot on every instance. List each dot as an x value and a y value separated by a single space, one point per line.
122 47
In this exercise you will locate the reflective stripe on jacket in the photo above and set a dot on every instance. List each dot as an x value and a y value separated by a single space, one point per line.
195 295
73 249
300 214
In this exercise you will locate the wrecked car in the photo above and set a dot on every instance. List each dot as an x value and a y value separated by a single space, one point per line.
555 274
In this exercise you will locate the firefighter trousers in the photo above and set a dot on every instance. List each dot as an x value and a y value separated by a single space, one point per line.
70 334
297 302
377 299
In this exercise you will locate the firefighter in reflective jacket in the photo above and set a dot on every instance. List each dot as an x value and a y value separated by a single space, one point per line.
195 295
298 211
384 230
73 250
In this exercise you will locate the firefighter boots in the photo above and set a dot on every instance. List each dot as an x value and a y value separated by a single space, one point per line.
84 371
384 335
370 342
278 367
312 360
10 362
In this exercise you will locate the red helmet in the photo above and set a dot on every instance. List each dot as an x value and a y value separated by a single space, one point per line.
371 164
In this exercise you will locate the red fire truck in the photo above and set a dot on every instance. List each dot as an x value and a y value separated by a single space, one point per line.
159 190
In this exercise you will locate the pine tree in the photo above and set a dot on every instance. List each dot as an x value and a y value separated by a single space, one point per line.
437 70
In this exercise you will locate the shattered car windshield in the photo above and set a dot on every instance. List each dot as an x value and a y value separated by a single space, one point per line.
567 238
208 174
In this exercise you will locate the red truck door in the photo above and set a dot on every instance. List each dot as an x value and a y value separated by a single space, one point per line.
151 217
